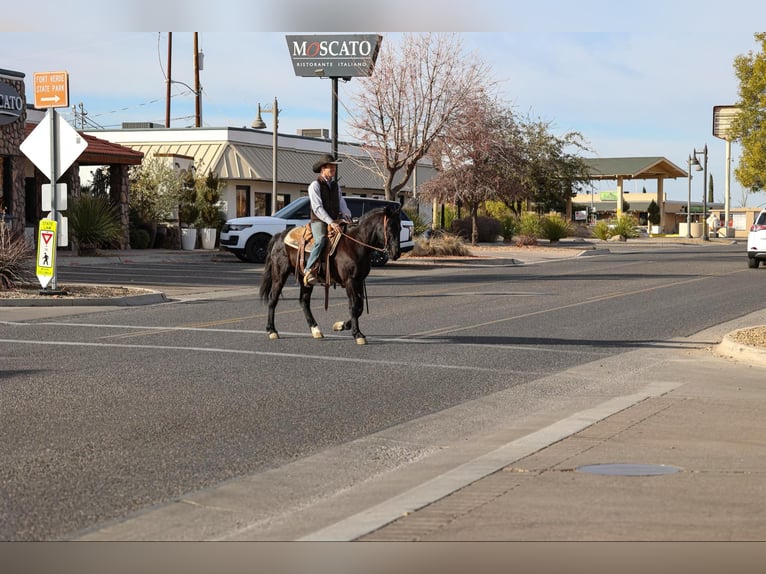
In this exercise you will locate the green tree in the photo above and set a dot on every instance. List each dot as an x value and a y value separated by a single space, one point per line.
653 211
154 190
208 199
749 126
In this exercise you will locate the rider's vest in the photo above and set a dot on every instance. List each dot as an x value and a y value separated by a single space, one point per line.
330 199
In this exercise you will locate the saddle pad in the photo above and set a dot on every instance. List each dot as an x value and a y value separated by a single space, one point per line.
297 235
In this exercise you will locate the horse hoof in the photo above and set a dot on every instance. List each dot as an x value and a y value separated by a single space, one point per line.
339 326
316 333
361 341
273 335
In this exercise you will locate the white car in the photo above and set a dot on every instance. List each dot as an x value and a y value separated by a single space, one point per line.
248 237
756 241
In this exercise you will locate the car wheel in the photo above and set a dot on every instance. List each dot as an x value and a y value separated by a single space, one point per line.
378 258
257 248
753 262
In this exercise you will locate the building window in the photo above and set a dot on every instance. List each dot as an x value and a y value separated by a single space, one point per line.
243 200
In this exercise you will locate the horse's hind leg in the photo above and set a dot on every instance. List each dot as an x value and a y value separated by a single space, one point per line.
277 284
305 300
276 290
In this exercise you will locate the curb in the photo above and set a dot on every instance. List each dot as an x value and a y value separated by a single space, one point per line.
729 348
147 298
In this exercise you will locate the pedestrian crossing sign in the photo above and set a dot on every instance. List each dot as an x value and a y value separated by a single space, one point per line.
46 251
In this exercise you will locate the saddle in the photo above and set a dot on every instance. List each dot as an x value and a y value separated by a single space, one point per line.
302 240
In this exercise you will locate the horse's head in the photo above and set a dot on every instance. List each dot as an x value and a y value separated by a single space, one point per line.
393 226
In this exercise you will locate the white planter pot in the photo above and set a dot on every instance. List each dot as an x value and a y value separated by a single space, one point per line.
188 238
208 235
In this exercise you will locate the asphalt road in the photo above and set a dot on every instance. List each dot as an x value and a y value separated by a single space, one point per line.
109 413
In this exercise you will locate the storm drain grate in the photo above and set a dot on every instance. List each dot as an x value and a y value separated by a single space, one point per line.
628 469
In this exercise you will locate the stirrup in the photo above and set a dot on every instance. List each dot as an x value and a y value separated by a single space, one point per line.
309 279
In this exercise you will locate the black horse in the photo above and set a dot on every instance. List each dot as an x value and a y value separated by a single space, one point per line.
349 266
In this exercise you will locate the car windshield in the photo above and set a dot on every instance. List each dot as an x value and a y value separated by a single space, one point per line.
298 209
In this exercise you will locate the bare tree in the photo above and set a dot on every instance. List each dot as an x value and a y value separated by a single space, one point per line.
412 97
474 160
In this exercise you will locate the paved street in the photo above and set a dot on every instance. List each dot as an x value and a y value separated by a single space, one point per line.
187 407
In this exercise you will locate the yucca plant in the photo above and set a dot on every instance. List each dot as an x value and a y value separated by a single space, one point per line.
16 258
93 223
554 227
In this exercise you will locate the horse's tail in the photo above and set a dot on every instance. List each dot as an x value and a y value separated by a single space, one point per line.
268 273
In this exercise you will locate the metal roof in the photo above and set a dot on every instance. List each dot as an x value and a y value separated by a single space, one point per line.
633 168
243 161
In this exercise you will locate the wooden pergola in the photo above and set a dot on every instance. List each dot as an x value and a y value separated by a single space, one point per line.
622 168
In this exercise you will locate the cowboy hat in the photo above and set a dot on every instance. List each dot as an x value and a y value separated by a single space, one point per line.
323 161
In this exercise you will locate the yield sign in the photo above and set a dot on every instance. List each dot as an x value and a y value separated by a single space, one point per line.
37 145
46 251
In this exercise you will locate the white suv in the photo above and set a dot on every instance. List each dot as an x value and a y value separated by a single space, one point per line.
248 237
756 241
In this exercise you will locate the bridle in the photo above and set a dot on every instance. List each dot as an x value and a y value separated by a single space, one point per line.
385 237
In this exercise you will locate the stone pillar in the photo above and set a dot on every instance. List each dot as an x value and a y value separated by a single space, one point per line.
119 193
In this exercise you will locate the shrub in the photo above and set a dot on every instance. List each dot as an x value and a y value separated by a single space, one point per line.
529 229
440 245
16 258
510 226
554 227
139 238
93 222
625 225
417 220
601 230
488 228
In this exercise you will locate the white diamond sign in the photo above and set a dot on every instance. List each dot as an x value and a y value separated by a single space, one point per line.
69 144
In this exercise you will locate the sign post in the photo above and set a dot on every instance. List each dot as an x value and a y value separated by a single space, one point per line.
52 146
723 116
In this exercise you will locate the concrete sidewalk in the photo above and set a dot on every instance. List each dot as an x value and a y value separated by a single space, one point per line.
685 463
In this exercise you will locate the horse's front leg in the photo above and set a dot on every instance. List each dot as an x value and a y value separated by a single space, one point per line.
355 292
305 300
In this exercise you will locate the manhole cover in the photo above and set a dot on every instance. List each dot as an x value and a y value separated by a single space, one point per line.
628 469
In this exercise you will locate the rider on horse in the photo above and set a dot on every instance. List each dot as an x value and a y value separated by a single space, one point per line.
327 207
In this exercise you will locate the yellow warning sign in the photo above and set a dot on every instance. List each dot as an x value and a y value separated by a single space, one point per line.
46 251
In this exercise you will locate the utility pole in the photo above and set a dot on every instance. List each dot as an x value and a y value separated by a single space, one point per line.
169 81
197 88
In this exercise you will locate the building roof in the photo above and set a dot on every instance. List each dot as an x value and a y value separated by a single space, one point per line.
633 168
232 157
101 152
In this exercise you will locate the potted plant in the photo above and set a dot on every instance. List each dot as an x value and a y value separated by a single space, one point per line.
188 212
653 215
208 202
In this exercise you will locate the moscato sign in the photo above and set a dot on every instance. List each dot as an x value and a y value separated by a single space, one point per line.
11 104
334 56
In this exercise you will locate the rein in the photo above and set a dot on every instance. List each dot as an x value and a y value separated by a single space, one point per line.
385 237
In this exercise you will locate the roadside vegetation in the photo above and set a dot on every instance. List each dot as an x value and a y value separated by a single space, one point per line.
16 258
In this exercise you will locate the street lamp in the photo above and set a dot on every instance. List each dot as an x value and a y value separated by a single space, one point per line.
704 188
259 124
689 163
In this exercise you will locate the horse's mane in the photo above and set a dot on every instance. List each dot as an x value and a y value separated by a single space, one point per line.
365 226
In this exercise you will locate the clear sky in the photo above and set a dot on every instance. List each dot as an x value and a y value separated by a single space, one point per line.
635 79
